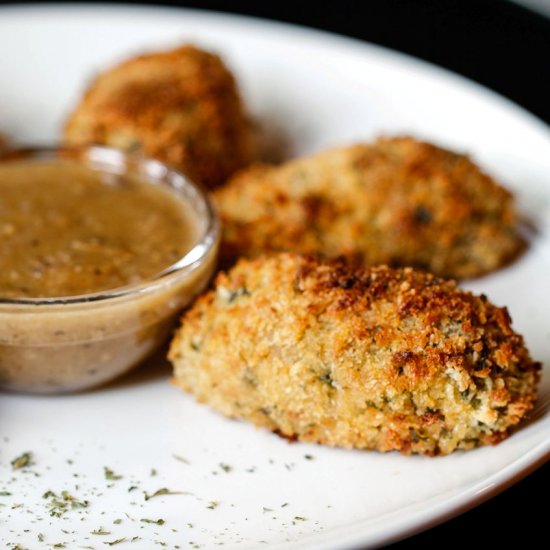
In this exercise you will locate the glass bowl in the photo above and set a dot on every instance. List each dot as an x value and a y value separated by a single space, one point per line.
64 344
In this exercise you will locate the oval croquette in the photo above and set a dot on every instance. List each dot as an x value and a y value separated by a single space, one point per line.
180 106
398 202
374 359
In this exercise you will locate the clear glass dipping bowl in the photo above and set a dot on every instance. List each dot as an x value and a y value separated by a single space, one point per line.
56 345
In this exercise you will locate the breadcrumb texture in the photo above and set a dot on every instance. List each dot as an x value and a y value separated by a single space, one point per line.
374 359
398 201
180 106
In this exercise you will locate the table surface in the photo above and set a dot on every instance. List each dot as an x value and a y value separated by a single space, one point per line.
506 48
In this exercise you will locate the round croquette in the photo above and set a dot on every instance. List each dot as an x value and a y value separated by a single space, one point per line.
379 358
180 106
398 202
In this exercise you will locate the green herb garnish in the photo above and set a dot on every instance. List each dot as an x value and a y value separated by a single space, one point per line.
100 531
163 491
159 521
110 475
60 504
73 501
113 542
21 461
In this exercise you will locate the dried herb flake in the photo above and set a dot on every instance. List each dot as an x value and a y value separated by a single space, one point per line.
113 542
110 475
163 491
159 521
100 531
21 461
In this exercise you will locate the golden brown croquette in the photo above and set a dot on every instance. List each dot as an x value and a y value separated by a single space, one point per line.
397 201
180 106
380 358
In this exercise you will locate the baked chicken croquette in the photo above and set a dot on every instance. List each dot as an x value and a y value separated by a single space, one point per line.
180 106
373 359
398 202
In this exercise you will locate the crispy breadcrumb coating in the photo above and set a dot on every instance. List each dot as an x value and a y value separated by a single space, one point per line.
397 201
180 106
370 359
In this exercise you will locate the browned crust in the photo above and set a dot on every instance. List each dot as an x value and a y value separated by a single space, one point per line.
397 201
372 359
181 106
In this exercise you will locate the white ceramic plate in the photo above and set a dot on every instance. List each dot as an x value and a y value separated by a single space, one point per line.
242 487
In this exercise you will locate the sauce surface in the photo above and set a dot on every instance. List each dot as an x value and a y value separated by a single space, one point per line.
66 229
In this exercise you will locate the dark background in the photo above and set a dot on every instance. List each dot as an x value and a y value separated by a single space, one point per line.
506 48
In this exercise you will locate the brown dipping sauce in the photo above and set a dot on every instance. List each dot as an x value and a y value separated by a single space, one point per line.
99 252
68 230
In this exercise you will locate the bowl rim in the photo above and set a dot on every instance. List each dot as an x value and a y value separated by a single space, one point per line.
155 172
